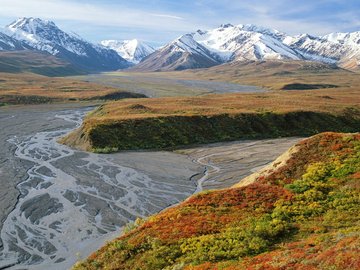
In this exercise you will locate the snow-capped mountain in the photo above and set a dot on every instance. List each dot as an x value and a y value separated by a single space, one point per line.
43 35
182 53
8 43
131 50
316 48
350 42
245 43
348 39
229 43
224 44
336 48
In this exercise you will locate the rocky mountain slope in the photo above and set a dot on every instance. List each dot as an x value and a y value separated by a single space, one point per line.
351 44
301 213
8 43
229 43
45 36
182 53
131 50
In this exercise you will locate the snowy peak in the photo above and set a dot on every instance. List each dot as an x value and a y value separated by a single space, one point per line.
349 48
182 53
131 50
32 25
188 44
349 39
44 35
315 48
245 42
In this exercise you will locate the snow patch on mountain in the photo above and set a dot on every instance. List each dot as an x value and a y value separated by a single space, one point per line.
227 43
8 43
350 44
248 42
131 50
44 35
245 42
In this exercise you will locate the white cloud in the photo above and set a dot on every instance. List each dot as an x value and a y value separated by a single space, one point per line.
105 15
168 16
284 15
99 20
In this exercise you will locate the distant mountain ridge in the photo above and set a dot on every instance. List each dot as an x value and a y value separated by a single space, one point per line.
182 53
200 49
229 43
45 36
131 50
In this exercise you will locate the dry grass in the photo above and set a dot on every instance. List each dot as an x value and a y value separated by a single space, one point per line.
329 100
271 75
17 86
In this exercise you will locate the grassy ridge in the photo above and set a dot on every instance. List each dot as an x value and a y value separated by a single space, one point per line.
171 122
303 214
172 131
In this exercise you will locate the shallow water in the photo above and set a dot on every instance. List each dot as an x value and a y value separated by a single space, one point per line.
73 201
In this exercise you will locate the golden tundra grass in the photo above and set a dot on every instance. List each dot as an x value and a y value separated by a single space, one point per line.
329 100
273 75
28 84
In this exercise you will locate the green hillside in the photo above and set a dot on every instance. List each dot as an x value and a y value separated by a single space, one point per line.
36 62
303 213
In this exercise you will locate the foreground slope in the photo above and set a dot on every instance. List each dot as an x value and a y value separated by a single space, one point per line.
172 122
300 213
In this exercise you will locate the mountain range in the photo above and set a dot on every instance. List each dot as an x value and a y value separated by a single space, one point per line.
200 49
243 43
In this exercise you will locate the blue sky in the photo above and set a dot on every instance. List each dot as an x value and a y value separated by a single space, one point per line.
159 21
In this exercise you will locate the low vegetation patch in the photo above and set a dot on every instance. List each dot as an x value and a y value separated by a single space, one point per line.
303 215
305 86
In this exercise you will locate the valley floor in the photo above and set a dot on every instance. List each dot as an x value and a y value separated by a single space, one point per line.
36 169
159 85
